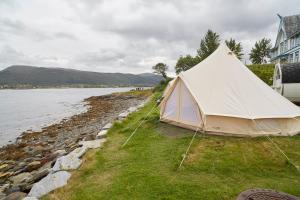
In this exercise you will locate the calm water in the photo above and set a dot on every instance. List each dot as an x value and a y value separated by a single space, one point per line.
21 110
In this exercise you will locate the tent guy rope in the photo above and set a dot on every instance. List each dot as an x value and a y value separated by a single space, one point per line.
187 150
277 147
144 119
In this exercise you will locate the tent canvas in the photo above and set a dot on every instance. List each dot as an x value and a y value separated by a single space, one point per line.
221 95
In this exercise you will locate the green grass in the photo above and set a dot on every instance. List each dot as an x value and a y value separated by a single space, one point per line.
216 168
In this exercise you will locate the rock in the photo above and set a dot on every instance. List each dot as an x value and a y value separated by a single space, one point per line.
2 195
4 175
102 134
15 196
66 163
92 144
60 152
38 175
89 137
141 105
30 198
22 164
123 115
49 183
3 188
33 166
21 178
79 152
132 109
107 126
13 189
46 167
4 167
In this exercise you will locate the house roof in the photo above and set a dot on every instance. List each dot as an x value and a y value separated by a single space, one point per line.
291 25
290 72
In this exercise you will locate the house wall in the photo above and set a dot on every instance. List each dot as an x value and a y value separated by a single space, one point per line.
286 50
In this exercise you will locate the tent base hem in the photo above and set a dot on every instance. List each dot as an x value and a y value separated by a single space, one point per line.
210 132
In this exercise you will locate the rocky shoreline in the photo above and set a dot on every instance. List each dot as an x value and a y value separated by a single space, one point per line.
34 154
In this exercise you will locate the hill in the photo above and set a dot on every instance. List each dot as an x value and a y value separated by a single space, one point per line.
20 75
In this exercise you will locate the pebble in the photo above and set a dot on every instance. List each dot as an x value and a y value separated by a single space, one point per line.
21 178
4 175
33 166
15 196
4 167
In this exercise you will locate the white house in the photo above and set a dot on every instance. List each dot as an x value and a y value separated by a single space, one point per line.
287 45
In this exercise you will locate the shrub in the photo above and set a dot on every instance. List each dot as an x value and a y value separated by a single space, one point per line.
263 71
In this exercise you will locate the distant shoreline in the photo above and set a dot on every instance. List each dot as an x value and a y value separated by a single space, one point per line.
70 87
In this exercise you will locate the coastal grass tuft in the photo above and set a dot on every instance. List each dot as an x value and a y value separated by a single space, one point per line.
217 167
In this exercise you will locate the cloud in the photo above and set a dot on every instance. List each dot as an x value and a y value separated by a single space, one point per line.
129 35
63 35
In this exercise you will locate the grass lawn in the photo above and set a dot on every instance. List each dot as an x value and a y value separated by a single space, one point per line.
216 168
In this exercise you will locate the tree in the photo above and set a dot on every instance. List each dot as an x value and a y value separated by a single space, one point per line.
186 62
261 51
161 68
208 44
235 47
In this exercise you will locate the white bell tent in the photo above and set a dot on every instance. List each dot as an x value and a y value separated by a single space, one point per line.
221 95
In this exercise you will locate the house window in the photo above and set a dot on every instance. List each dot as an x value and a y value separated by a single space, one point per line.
291 56
297 56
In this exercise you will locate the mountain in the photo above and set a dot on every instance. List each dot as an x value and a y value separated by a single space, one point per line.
54 77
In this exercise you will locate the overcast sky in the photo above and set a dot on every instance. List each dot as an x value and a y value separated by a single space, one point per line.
127 35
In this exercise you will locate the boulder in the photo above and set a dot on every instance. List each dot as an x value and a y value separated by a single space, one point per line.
102 134
30 198
132 109
141 105
15 196
33 166
49 183
21 178
123 115
78 152
92 144
67 162
107 126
